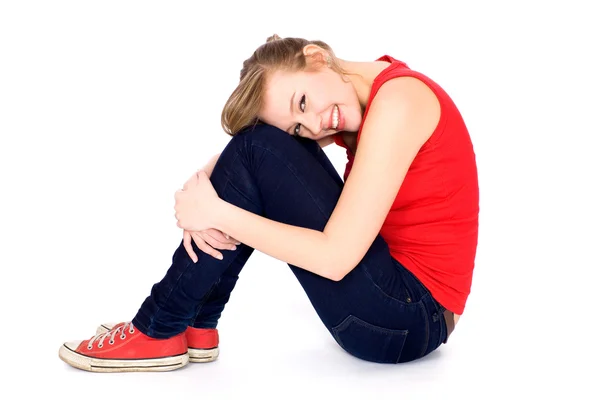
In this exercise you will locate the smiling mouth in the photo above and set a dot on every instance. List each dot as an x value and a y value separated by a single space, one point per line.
335 117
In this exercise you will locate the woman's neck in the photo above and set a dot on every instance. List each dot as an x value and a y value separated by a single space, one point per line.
362 75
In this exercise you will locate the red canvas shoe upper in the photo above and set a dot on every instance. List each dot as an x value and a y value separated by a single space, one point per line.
124 341
199 338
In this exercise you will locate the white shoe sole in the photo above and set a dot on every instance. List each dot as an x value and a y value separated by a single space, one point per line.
203 355
92 364
195 355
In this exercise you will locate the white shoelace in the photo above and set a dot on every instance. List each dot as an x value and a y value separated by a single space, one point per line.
112 333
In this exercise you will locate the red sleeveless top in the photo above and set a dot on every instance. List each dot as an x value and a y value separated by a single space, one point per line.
432 226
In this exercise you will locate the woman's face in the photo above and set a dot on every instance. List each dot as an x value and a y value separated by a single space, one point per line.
311 104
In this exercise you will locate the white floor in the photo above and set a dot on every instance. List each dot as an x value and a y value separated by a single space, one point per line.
274 346
107 108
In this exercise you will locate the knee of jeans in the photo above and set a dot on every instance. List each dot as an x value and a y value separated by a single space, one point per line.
261 129
266 135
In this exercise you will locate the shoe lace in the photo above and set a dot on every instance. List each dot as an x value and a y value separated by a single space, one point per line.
100 338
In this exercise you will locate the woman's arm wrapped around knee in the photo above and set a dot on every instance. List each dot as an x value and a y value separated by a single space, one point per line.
211 240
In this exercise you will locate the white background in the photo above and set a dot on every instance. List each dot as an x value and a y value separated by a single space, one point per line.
107 107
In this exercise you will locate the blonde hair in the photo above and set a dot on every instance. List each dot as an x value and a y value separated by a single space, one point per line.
242 108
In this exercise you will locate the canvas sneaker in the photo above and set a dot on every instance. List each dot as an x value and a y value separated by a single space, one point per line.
123 348
203 344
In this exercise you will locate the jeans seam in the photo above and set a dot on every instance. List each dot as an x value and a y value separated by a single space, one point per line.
206 297
229 183
426 318
366 272
171 289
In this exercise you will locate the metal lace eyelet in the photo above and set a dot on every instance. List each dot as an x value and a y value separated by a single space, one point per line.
100 345
123 337
111 342
131 331
89 347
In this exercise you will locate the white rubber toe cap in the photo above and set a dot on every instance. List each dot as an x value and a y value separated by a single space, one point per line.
73 345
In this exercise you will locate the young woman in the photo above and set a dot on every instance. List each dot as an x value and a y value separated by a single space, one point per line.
386 257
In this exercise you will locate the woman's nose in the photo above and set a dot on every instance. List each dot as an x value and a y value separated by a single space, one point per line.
316 124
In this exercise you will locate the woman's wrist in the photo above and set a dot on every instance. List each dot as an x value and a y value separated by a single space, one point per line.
219 207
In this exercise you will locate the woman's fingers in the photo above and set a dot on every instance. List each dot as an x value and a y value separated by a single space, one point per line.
217 239
208 241
231 240
221 237
202 245
187 244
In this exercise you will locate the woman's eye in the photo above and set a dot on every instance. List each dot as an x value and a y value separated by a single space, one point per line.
297 129
302 103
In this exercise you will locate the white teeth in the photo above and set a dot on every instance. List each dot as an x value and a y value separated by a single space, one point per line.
336 117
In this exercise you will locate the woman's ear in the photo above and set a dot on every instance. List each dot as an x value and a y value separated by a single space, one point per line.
316 56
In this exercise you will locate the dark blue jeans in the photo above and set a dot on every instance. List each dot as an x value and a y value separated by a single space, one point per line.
379 312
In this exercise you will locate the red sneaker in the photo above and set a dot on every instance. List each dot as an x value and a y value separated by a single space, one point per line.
125 349
203 344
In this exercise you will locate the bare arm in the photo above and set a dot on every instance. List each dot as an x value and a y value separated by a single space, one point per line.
302 247
403 116
312 239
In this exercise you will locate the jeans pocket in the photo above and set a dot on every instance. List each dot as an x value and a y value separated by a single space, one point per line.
370 342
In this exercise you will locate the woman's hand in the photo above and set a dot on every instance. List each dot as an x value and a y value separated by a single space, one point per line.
208 241
195 203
